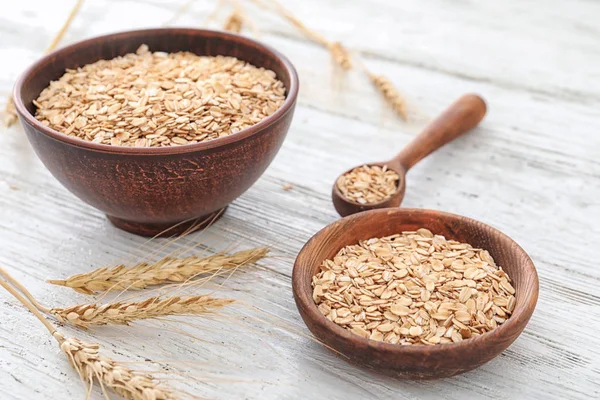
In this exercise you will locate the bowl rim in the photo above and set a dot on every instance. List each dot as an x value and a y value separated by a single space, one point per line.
521 314
27 117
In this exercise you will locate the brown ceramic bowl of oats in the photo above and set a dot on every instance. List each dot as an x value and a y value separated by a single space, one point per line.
158 127
416 294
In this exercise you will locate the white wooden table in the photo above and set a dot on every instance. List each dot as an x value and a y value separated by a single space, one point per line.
531 170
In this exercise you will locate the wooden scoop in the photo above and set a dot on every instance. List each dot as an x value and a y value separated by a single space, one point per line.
463 115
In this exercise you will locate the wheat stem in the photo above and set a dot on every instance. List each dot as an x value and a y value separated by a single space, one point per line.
301 26
23 290
338 52
85 359
6 285
64 28
11 111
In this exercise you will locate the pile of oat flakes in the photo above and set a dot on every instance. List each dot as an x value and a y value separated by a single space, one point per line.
368 184
150 99
414 288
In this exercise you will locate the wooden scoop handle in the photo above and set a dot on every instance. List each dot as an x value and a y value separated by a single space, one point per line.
463 115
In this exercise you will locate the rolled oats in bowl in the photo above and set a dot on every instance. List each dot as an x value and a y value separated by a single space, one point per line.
414 288
153 99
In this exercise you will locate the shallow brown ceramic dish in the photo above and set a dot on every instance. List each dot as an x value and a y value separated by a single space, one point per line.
415 362
146 190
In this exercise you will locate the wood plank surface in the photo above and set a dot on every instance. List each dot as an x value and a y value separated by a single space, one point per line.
531 169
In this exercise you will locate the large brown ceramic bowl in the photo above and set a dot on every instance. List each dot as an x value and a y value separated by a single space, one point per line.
146 190
415 362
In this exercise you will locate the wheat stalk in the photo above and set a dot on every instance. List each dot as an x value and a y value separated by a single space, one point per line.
123 313
11 111
389 92
234 22
338 52
92 367
340 55
166 270
237 19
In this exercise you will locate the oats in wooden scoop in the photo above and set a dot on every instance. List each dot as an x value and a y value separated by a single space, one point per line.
368 184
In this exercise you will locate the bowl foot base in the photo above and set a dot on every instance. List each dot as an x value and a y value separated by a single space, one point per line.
168 229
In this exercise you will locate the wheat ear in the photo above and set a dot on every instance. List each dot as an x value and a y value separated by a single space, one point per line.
166 270
340 55
10 113
111 374
391 95
92 367
123 313
238 19
234 22
387 90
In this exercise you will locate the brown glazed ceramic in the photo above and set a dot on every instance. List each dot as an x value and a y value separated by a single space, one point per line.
415 362
459 118
146 190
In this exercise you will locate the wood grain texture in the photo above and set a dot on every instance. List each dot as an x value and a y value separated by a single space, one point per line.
530 169
415 362
148 190
459 118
